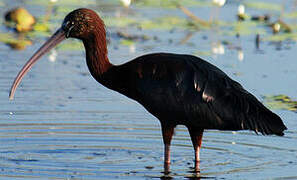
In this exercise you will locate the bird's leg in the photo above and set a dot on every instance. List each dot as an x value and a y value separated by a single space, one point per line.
167 132
196 137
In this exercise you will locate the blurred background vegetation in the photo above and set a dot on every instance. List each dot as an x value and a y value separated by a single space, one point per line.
266 20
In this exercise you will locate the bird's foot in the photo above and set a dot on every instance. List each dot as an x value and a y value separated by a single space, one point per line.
196 168
166 168
194 171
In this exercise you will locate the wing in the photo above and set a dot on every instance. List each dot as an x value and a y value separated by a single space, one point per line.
234 107
194 92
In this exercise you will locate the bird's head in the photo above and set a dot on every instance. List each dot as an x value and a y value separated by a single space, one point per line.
81 24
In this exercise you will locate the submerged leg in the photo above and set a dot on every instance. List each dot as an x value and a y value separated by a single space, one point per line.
196 137
167 132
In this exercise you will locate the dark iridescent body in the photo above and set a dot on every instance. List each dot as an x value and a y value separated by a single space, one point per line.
177 89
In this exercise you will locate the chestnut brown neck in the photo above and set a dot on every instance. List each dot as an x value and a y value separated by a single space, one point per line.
96 51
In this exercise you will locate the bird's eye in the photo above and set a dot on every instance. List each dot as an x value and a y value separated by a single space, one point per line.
69 30
68 26
65 25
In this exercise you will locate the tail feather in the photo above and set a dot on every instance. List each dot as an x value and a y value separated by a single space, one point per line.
263 120
238 109
242 111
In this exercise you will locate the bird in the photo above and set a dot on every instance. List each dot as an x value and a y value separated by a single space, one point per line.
178 89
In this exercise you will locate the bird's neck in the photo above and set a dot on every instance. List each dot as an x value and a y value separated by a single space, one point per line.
97 60
96 55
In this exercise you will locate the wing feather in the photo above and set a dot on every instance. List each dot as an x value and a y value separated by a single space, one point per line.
187 87
233 106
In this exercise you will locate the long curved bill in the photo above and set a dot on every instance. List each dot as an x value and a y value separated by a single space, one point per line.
54 40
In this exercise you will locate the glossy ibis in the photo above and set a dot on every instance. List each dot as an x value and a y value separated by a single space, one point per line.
175 88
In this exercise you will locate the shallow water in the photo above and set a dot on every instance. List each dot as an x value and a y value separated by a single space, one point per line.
62 124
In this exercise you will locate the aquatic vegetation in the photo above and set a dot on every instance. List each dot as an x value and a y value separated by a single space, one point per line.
219 2
282 32
127 42
284 26
264 5
167 23
275 27
19 43
261 18
251 24
172 3
282 37
120 21
20 19
126 3
202 53
132 37
246 28
71 45
63 3
290 15
41 27
161 23
241 27
281 101
193 17
241 15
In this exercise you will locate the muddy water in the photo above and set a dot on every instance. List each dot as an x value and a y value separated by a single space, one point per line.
64 125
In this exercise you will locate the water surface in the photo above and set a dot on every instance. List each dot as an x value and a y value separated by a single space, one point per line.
62 124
